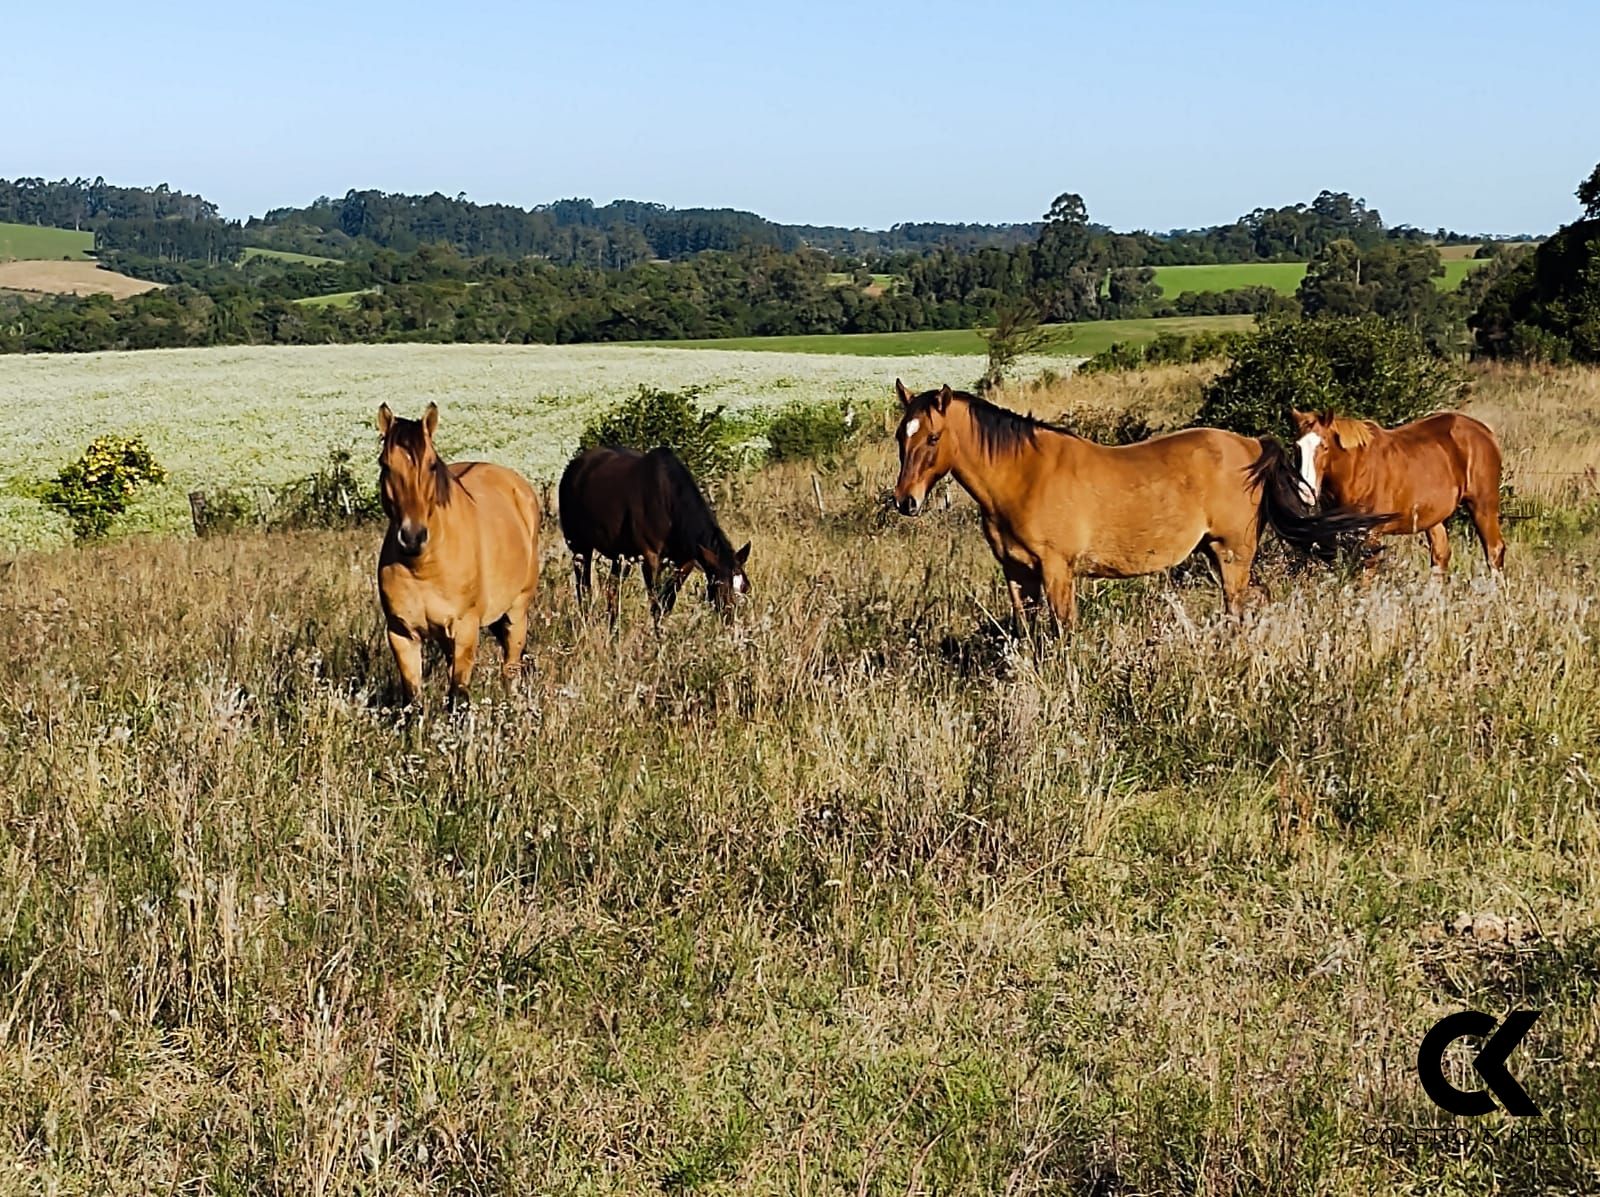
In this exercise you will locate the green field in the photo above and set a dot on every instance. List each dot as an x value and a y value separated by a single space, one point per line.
1230 276
1078 340
284 255
339 299
1283 277
28 242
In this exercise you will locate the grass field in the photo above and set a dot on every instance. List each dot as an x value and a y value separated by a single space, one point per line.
1076 340
261 416
1283 277
27 242
284 255
336 299
846 896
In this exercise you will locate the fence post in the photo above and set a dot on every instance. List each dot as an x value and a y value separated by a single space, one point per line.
197 511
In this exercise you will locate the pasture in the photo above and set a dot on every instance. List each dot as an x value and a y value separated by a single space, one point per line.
263 416
29 242
1074 340
284 255
850 895
1283 277
334 299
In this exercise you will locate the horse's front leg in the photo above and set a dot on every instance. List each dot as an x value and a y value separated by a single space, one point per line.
650 566
463 652
1024 589
1439 549
619 571
1061 591
407 649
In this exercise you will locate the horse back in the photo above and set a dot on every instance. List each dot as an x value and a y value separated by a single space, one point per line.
610 502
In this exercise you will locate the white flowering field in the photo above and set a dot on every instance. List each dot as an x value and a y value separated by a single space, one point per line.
247 416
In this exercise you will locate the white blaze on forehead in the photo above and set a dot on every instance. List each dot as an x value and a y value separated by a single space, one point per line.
738 583
1308 464
912 426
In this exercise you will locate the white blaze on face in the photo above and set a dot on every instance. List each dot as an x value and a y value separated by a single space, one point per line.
1308 465
739 583
911 428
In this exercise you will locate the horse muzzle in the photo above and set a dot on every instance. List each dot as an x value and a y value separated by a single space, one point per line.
909 505
411 541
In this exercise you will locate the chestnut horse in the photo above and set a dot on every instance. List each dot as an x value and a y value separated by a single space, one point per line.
622 504
1057 507
461 553
1420 472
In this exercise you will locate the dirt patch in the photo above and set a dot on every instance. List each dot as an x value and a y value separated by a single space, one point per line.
70 278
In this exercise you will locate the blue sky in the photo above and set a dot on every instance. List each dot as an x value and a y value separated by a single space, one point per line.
1475 116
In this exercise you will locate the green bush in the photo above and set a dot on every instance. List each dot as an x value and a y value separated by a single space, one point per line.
1166 349
1361 366
98 487
1554 291
653 418
333 497
810 431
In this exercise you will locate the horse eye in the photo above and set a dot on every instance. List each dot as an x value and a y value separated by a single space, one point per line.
933 438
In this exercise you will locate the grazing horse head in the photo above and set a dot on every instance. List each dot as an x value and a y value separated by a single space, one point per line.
726 582
1325 442
925 456
413 481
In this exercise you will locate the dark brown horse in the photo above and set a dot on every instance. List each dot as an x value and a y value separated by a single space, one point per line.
461 552
1420 473
1057 507
622 504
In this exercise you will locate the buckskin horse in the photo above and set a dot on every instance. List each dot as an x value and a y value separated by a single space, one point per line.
1057 507
624 505
1420 472
461 552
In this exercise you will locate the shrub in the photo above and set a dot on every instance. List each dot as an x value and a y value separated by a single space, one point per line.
333 497
222 511
810 431
98 487
1360 366
653 418
1109 427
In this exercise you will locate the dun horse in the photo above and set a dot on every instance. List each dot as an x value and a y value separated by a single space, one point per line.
1057 507
1421 472
622 504
461 553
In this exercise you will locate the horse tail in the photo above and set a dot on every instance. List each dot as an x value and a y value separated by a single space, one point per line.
1283 506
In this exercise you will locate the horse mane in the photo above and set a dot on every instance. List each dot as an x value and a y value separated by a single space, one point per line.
692 517
408 435
1353 434
1001 431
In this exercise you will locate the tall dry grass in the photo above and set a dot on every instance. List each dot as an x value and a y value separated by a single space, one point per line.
852 895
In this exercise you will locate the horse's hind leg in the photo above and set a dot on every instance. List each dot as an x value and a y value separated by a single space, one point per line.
1233 561
510 632
619 571
581 564
1439 549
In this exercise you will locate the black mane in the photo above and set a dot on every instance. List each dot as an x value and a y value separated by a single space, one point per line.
694 526
1000 430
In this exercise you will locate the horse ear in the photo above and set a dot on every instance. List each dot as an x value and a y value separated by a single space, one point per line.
385 420
430 419
742 555
901 393
945 395
1325 418
1302 420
